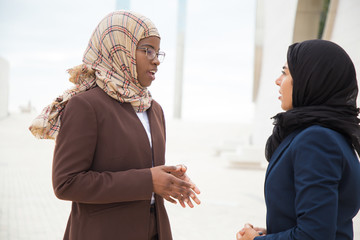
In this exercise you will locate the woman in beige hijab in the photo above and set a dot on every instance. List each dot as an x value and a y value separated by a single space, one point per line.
110 138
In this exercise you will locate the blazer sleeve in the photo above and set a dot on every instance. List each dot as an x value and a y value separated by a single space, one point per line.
72 176
317 167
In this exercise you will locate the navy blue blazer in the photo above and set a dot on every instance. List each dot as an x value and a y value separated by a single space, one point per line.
312 187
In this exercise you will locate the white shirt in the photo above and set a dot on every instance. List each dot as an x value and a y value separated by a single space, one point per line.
145 122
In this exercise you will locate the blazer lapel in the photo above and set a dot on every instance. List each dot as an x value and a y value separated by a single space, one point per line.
137 122
157 135
279 150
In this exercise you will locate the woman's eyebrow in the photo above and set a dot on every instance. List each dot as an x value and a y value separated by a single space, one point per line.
148 45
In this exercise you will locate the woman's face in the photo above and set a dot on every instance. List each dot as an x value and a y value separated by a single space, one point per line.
285 82
145 67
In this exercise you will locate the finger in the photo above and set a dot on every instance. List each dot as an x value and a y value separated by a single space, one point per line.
185 195
182 203
189 203
180 193
195 198
170 169
249 231
181 200
176 195
185 177
168 198
180 183
180 189
183 168
261 231
248 225
195 188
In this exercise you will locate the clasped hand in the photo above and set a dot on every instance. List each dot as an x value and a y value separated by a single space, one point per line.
171 182
249 232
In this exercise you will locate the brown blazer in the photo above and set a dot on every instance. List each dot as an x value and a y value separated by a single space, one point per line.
102 164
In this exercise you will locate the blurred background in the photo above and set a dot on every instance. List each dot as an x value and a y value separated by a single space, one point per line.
216 87
42 39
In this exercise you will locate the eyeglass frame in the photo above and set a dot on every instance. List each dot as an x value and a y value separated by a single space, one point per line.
157 54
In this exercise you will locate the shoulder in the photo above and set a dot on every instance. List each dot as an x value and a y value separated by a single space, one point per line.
95 99
155 106
318 144
91 95
316 133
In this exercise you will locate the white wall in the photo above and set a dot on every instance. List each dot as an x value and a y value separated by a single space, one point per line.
279 20
279 17
4 88
346 28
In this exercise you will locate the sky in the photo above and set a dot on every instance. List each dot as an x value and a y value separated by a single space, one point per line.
41 39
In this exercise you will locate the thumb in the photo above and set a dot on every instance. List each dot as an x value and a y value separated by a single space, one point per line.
248 225
182 167
170 169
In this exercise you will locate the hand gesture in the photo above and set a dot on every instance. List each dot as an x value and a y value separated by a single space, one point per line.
170 187
249 232
181 174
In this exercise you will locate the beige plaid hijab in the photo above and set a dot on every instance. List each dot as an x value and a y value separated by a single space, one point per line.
109 62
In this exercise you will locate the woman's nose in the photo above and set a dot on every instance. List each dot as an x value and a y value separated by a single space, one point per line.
156 61
278 81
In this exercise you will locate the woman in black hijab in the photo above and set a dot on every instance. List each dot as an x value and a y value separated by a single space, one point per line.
312 185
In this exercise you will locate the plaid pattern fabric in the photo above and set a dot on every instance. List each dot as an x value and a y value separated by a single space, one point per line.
109 62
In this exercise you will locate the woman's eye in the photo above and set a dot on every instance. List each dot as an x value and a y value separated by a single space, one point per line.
151 51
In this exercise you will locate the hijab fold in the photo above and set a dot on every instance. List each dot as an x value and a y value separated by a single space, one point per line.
324 93
109 62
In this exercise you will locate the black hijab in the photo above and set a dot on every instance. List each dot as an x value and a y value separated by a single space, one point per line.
324 93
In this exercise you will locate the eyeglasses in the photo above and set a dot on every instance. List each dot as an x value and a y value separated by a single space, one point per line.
151 54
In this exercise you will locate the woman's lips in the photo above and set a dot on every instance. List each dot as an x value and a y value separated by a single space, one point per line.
151 74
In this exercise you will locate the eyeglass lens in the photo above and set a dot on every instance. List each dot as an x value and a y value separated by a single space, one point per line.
152 54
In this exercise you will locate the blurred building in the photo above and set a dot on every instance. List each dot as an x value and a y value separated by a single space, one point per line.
4 88
280 23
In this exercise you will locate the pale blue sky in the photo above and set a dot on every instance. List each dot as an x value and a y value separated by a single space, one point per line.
43 38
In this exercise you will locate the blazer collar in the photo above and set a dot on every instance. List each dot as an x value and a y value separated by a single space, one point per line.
279 150
149 111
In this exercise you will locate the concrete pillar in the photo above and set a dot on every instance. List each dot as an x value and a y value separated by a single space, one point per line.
307 20
4 88
274 34
122 4
342 27
259 41
330 20
179 69
278 28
